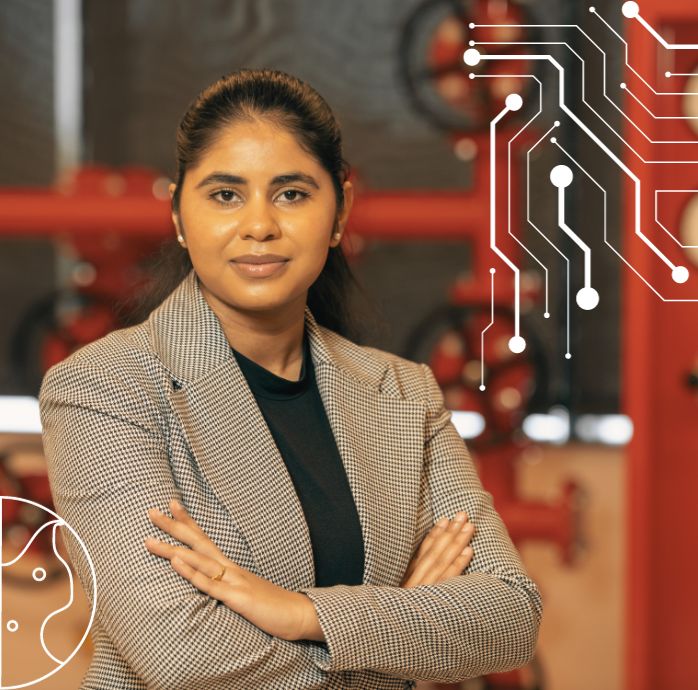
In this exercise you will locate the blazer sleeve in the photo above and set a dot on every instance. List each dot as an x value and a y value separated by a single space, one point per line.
484 620
107 465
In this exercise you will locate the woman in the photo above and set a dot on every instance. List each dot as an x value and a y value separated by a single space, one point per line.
303 472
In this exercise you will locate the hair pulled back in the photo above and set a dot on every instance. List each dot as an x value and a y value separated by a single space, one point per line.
288 102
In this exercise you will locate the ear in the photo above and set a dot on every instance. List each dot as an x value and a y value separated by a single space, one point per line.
175 218
343 217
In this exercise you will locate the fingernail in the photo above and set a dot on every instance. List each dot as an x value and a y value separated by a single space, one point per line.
466 551
153 511
174 503
460 517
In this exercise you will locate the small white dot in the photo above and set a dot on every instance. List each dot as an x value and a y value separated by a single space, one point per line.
12 625
471 43
568 356
667 74
592 9
482 388
39 574
630 10
471 25
622 85
553 140
471 76
679 274
557 123
513 101
561 176
471 57
517 344
587 298
546 315
492 271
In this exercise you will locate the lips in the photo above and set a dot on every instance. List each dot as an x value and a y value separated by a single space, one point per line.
259 259
258 269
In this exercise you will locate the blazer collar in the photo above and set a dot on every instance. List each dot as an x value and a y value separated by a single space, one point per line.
187 336
379 436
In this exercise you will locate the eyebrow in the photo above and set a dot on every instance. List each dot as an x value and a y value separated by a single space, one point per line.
228 178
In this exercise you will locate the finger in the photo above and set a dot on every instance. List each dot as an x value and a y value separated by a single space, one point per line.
442 539
169 551
205 543
183 532
426 543
181 514
218 589
452 561
199 561
455 549
459 564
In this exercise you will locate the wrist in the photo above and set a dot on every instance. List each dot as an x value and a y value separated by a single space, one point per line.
310 628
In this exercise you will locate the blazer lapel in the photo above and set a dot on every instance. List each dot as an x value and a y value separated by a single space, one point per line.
379 438
381 441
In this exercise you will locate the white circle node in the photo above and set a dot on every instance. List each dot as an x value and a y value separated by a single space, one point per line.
630 10
587 298
39 574
553 139
471 43
12 625
513 101
568 356
492 271
561 176
471 25
517 344
679 274
557 123
471 57
667 74
482 388
592 9
546 315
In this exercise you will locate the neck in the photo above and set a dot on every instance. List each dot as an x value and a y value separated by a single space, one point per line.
271 338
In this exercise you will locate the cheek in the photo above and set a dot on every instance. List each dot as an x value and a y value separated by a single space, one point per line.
209 229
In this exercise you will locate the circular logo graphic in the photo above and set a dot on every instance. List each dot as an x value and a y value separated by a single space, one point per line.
31 557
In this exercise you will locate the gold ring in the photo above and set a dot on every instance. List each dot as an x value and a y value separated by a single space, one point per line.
220 575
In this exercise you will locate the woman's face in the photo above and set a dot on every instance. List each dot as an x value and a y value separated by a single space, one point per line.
256 191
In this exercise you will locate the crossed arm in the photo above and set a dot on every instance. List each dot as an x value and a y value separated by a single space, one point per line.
108 465
482 621
106 456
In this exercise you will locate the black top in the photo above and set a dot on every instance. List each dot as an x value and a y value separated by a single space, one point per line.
296 417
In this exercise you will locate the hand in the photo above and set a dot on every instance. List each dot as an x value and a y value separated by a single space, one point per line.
273 609
440 555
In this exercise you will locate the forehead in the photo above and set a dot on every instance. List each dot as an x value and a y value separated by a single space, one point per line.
255 146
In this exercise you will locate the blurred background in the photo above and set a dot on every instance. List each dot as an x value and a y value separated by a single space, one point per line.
588 457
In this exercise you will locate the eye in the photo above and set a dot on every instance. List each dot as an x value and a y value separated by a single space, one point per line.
229 193
299 195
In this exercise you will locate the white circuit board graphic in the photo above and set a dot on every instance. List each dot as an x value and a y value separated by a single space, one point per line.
571 171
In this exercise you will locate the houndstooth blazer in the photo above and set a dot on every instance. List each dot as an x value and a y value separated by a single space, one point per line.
161 410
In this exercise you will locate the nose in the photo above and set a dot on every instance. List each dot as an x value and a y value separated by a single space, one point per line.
259 222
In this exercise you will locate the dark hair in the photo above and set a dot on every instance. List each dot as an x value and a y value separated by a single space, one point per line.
286 101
